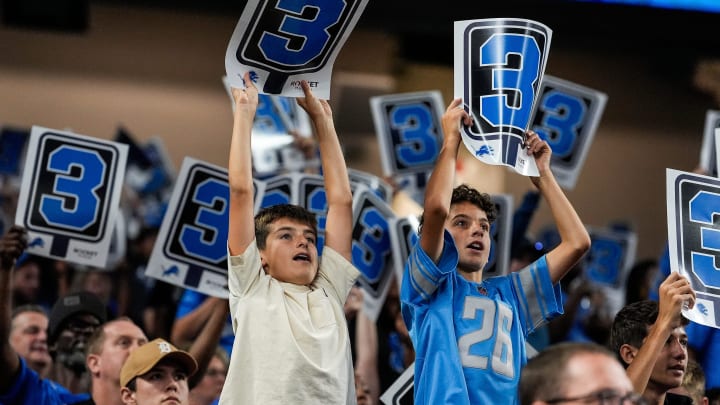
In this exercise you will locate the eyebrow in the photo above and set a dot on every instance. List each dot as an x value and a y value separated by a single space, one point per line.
290 228
466 216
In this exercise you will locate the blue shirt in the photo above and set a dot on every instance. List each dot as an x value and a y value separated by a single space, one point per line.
469 338
29 388
189 301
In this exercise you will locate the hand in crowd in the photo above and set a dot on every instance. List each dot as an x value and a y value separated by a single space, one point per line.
12 245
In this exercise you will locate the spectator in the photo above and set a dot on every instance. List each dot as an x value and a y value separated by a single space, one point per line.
157 373
73 320
28 337
287 302
208 389
650 340
573 372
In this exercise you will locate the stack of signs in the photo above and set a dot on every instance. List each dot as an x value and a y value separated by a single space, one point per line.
378 186
499 65
409 131
708 156
70 195
282 43
693 205
372 248
566 116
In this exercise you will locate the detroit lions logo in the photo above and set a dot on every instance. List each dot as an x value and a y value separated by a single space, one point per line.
703 309
485 150
37 242
171 271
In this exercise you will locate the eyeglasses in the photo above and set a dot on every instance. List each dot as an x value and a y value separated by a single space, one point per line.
605 397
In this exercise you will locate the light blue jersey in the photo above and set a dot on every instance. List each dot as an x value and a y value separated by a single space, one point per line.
470 337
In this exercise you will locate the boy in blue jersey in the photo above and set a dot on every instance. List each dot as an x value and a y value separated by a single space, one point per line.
469 334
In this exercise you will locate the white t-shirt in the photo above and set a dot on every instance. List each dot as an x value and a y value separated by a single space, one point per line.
291 341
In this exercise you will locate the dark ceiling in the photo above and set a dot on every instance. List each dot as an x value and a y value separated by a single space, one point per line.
425 27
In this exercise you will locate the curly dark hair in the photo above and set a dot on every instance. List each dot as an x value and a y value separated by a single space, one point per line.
268 215
464 193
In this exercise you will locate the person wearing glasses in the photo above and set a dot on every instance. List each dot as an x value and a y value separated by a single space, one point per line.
576 373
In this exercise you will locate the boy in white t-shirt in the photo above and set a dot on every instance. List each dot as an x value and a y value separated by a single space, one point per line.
291 340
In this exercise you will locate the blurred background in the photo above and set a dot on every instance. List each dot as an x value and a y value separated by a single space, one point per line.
154 67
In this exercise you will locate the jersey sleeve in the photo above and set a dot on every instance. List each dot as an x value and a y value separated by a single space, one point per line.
422 275
538 299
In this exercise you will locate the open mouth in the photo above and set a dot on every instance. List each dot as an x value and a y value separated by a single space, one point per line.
475 246
303 257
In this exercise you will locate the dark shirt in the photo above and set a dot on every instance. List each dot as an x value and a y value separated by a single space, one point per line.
675 399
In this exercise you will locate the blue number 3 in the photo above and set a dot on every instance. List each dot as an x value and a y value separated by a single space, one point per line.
313 31
208 241
417 132
494 52
703 208
563 117
75 203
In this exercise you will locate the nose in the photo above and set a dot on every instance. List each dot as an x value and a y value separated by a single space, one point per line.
477 229
302 241
174 384
678 349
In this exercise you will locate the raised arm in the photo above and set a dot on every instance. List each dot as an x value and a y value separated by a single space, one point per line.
241 229
338 224
12 244
574 239
673 292
205 343
440 186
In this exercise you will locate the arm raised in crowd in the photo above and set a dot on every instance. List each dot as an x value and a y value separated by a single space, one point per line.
574 238
338 228
12 244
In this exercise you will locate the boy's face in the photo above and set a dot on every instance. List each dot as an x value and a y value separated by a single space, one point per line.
166 384
290 253
670 366
470 228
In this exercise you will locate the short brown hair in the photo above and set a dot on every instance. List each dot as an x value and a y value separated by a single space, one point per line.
268 215
465 193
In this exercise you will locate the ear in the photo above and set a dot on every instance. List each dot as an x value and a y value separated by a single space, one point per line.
627 353
127 396
93 364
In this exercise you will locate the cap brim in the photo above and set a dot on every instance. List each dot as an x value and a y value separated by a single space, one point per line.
184 358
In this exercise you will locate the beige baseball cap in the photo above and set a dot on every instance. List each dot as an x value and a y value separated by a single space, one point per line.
145 357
